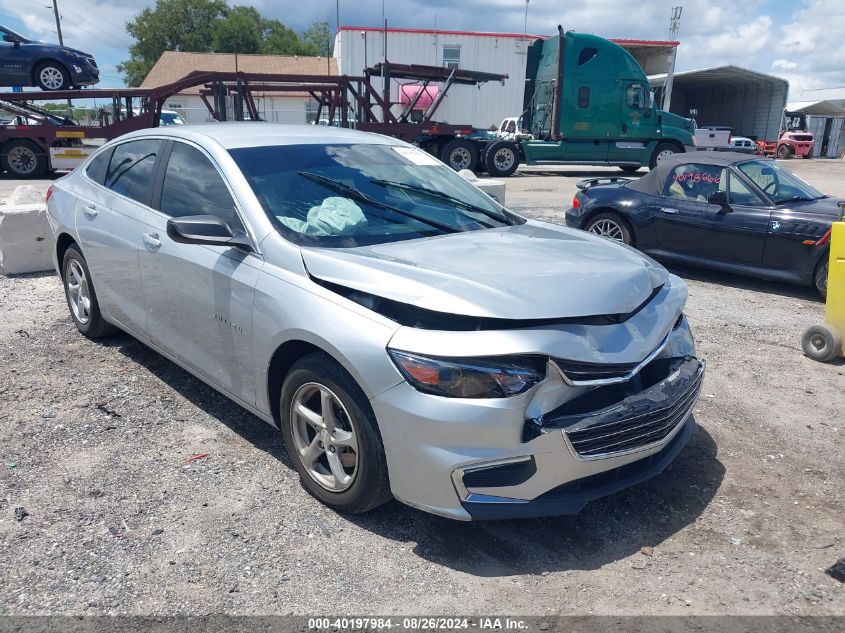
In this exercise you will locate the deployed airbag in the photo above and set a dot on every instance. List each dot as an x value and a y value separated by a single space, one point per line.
334 216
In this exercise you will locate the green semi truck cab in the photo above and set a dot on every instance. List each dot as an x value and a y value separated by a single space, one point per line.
588 101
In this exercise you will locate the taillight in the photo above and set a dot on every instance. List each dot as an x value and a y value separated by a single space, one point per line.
49 194
824 239
576 202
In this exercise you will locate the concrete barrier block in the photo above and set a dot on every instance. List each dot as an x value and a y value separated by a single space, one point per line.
24 239
493 188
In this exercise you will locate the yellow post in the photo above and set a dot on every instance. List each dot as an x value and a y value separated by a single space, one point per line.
834 313
824 342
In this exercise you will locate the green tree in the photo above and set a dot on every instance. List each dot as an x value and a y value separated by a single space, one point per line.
172 25
282 40
317 39
240 30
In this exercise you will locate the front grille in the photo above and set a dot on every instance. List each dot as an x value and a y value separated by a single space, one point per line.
91 61
643 419
577 372
622 417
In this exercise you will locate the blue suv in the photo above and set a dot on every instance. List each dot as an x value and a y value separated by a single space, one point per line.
24 62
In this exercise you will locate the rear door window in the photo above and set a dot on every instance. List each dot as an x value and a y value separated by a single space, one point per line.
96 169
131 169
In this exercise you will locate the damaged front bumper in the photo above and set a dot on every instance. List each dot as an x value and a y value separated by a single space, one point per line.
553 449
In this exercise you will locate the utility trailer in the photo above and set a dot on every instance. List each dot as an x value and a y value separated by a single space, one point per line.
42 141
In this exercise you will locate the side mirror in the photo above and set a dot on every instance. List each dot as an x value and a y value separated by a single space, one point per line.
720 198
11 38
206 229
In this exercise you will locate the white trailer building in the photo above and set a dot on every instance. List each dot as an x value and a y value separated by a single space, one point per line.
504 53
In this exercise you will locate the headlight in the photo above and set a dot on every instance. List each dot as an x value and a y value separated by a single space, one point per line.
488 377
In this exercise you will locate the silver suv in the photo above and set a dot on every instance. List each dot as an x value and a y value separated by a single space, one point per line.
411 337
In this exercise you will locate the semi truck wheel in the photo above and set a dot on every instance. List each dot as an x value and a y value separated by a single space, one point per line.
23 159
460 154
784 152
501 159
663 150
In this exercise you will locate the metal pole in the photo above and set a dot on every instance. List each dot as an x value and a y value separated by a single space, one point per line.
58 22
670 80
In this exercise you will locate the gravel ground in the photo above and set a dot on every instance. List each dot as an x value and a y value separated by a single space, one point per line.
95 440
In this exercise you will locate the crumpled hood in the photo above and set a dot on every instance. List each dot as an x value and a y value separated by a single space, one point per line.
529 271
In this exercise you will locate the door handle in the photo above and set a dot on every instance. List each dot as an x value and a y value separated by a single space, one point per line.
668 210
151 240
90 210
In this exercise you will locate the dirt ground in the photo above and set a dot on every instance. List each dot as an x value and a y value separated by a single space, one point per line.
94 439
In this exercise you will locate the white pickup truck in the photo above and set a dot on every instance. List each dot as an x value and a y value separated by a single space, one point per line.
712 137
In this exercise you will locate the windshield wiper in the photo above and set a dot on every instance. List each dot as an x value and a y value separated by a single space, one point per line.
439 195
794 199
354 192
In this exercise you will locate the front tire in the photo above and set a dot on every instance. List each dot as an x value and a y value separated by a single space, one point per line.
52 76
610 225
663 150
332 437
784 152
81 297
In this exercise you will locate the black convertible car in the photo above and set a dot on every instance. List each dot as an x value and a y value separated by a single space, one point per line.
720 210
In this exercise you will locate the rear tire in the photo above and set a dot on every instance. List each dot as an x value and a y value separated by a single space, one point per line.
663 150
346 479
610 225
822 343
501 159
784 152
52 76
23 159
81 297
820 278
460 154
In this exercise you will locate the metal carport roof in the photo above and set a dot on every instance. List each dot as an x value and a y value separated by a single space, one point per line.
749 101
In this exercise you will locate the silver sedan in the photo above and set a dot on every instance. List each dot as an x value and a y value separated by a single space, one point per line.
409 336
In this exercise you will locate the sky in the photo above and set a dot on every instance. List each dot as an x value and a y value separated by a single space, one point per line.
802 41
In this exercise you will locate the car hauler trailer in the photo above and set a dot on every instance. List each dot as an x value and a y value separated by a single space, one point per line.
38 140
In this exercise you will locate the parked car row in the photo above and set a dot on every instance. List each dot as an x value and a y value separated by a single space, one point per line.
26 62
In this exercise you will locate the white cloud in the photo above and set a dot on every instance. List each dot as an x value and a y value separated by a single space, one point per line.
783 63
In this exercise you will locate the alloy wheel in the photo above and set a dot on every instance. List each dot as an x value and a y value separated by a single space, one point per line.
51 78
324 437
22 160
608 228
78 292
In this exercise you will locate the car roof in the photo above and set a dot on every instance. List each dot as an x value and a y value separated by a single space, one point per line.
652 182
237 134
